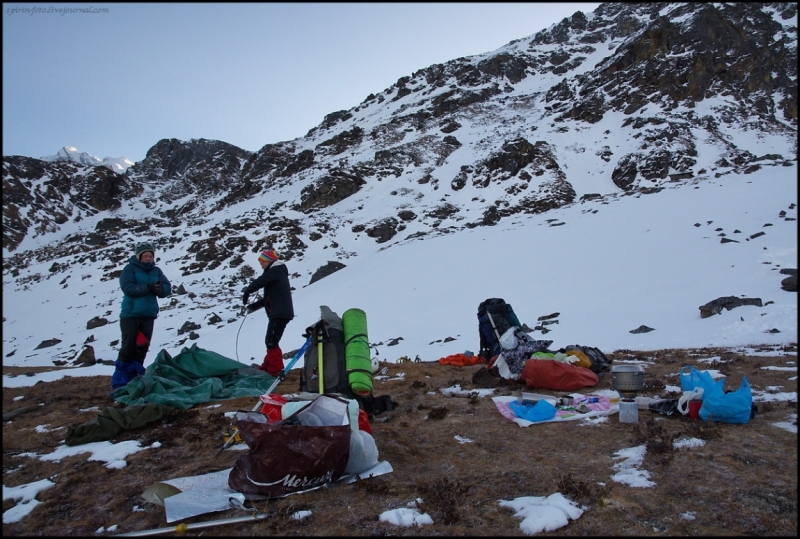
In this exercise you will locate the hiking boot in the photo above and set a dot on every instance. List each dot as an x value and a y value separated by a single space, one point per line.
273 362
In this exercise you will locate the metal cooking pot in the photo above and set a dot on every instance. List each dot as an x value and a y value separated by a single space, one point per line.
627 378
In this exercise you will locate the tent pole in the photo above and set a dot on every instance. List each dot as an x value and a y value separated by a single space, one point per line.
195 526
277 381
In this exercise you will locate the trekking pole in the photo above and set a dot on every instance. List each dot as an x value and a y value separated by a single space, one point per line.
278 380
195 526
320 365
491 320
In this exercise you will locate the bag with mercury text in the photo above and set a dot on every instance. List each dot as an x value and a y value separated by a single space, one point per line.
308 449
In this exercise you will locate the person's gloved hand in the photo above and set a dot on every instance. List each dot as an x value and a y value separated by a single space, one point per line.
245 296
155 288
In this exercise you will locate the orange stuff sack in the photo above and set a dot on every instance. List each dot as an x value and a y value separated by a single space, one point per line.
461 360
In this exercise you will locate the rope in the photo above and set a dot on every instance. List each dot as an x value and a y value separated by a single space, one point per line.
246 312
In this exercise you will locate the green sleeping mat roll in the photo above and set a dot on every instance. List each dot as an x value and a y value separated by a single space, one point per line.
358 363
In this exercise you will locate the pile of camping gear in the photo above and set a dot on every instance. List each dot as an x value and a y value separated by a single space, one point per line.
322 433
513 354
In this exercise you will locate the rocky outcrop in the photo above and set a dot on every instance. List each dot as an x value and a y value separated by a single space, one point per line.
727 302
328 190
789 283
172 159
341 142
198 167
86 358
39 196
715 60
96 322
384 230
331 267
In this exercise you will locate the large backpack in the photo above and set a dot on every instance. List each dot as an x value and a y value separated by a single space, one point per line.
327 337
336 378
495 317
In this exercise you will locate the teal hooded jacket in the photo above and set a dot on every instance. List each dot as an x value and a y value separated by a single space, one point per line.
138 301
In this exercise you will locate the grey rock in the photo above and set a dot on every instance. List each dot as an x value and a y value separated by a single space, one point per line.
96 322
642 329
726 302
86 357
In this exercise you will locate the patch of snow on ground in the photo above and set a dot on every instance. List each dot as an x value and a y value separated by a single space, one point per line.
628 471
790 425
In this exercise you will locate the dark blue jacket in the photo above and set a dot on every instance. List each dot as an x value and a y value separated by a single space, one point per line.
138 301
277 290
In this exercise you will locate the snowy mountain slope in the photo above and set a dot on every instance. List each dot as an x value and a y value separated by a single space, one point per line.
462 175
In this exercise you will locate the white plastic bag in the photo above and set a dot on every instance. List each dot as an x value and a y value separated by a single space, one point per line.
683 402
363 452
502 368
509 340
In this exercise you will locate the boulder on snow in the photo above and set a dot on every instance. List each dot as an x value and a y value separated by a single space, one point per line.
728 302
86 357
789 283
642 329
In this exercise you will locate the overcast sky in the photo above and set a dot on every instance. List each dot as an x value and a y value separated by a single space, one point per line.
116 81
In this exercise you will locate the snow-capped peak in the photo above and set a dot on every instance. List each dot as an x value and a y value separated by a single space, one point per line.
70 153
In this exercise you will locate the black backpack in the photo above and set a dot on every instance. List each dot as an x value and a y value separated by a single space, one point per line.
495 317
329 332
600 363
328 335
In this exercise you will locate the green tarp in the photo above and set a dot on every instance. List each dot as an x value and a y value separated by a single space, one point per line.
193 377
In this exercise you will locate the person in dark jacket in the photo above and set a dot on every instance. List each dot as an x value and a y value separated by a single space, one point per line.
277 302
142 282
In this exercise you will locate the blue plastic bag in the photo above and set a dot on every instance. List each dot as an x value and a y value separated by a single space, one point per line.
733 407
694 379
541 411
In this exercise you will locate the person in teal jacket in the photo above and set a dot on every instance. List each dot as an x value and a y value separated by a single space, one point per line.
142 283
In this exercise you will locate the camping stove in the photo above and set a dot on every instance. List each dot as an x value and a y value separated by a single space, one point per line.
627 380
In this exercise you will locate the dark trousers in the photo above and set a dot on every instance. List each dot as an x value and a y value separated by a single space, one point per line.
275 328
130 328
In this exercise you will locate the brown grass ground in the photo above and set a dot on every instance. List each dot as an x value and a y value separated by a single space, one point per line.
743 481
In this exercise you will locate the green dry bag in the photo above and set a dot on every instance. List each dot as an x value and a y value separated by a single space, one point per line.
356 349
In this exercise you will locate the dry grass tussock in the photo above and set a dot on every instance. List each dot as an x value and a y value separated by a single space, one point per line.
742 481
